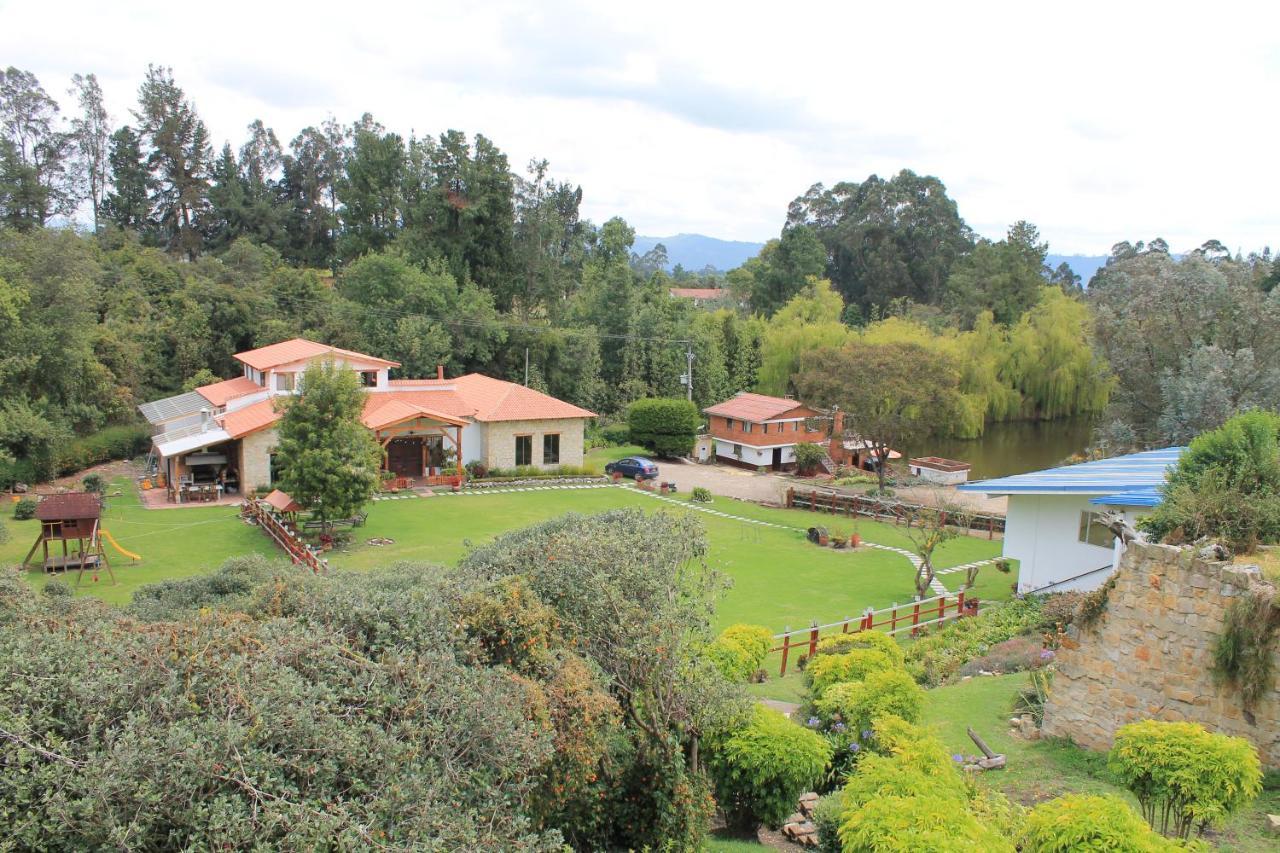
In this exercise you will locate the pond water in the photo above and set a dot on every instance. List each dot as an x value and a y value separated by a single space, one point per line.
1015 447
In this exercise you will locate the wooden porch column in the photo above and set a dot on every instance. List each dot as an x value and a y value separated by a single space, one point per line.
462 472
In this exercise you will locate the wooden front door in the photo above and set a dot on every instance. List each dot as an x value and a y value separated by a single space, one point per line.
404 457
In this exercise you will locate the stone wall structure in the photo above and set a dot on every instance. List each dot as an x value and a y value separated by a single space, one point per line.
1149 655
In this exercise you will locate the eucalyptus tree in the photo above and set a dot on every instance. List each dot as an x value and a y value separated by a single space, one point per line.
91 136
34 153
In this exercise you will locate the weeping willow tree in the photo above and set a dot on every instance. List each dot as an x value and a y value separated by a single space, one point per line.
810 321
1051 363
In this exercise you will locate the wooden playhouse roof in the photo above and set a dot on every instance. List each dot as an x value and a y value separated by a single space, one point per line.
281 502
68 506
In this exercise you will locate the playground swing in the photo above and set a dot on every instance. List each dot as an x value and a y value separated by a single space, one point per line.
75 516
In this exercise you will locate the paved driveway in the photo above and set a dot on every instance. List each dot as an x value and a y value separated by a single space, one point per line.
723 480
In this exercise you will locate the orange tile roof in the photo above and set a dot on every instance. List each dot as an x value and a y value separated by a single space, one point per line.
298 349
380 413
758 408
252 418
220 392
700 293
498 400
281 501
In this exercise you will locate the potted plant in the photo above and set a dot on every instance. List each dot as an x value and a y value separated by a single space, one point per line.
854 539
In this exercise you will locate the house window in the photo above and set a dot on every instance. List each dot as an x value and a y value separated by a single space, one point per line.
1094 531
728 423
368 379
746 426
285 381
551 449
524 450
766 429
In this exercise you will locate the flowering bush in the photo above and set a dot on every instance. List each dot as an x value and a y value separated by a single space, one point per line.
1016 655
761 768
858 704
932 659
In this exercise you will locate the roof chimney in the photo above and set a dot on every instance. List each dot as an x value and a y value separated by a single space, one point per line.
439 371
206 419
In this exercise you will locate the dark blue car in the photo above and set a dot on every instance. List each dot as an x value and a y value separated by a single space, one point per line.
635 467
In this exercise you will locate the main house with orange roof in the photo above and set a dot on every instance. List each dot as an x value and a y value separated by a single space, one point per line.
223 435
756 430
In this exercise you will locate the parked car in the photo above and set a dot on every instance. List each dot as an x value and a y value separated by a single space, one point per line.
634 466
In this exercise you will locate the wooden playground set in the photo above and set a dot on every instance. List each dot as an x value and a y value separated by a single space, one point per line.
74 517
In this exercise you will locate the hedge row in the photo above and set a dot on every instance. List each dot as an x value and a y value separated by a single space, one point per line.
115 442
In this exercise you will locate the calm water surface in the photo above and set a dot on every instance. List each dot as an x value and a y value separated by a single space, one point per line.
1015 447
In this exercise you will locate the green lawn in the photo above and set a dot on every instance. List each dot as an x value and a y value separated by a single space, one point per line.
599 456
778 578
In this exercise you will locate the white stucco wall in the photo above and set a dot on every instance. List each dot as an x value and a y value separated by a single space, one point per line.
754 455
473 448
1042 532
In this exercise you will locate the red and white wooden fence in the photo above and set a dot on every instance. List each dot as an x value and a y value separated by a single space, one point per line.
891 620
289 541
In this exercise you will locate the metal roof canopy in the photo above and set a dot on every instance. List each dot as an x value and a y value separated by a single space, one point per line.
160 411
1118 475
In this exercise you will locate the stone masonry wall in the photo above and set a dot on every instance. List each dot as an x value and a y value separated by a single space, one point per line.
255 459
1150 655
500 443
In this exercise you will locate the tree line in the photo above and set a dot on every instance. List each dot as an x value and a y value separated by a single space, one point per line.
432 250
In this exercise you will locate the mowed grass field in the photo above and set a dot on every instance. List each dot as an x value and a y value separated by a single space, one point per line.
778 578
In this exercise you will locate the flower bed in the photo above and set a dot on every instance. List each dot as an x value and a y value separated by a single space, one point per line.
550 479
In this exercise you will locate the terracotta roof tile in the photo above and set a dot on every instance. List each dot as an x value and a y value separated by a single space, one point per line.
220 392
252 418
281 502
498 400
759 407
297 349
389 407
69 505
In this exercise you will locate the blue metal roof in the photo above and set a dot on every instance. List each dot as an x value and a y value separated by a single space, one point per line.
1118 475
1137 497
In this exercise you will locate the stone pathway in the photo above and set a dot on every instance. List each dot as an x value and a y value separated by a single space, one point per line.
937 586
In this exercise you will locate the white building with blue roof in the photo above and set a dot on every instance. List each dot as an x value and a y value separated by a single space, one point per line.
1054 527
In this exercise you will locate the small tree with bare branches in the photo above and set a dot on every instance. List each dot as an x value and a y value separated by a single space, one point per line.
930 527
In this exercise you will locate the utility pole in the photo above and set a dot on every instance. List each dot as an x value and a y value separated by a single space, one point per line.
688 376
526 367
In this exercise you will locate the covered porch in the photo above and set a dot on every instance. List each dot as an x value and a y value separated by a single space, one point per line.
203 466
420 447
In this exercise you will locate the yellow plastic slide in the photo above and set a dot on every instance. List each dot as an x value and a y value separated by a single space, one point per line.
114 544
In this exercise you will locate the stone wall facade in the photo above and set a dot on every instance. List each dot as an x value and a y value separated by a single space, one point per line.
1149 655
255 459
500 441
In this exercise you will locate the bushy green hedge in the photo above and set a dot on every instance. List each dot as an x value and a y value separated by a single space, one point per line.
1089 822
858 704
667 426
842 643
531 472
106 445
24 509
740 650
762 767
854 665
1185 777
934 658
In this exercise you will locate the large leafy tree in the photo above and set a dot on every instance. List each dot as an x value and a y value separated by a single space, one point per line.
34 153
886 240
91 135
1166 325
328 461
128 204
370 189
178 159
1003 277
781 270
892 395
308 186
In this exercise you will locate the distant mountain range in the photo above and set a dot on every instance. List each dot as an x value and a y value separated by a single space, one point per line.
696 251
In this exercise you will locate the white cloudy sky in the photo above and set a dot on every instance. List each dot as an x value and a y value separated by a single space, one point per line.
1098 122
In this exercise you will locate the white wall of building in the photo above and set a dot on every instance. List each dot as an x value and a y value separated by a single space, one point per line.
754 455
473 442
1042 532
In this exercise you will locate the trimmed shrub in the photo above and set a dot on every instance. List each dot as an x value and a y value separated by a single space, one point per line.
24 509
667 426
854 665
94 483
760 769
808 456
842 643
1089 822
1184 776
858 704
700 494
740 650
615 435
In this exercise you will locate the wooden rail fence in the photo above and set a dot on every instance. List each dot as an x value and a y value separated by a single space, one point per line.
907 617
899 512
289 541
